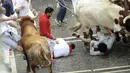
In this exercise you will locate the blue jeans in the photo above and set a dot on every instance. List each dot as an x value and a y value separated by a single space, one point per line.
62 11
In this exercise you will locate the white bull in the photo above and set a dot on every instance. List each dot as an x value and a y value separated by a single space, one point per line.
97 12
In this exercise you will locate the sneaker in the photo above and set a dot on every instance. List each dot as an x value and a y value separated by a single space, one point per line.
75 35
63 22
58 22
38 67
24 57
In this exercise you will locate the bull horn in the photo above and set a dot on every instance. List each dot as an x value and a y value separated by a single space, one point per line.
126 18
75 27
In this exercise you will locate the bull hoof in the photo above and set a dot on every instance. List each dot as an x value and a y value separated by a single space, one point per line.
128 38
38 67
125 40
24 57
118 39
28 70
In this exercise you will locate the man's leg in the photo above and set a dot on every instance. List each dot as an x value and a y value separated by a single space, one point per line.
63 9
63 13
58 16
8 41
51 46
6 54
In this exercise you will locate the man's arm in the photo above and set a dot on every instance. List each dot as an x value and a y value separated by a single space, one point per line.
6 19
15 5
13 25
92 52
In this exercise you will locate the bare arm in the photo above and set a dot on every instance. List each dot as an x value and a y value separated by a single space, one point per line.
6 19
12 24
84 39
19 8
92 52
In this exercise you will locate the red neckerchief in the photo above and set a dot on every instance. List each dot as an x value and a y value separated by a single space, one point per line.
70 49
106 52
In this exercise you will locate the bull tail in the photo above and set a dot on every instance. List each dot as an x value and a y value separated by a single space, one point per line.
39 55
46 52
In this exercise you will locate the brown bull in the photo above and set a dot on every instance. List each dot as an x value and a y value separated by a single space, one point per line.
35 47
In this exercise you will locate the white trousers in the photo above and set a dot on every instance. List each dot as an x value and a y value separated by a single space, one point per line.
8 41
51 44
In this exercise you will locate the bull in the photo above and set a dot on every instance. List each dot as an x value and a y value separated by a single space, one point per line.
102 13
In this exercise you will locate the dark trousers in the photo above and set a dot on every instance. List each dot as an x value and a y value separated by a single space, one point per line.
62 11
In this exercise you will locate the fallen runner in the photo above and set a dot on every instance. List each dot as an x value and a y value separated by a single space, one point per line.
62 49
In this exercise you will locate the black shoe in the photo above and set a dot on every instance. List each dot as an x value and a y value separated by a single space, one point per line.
125 40
63 22
24 57
38 67
118 38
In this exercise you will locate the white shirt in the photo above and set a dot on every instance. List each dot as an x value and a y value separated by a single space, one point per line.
108 40
20 3
3 25
26 11
61 49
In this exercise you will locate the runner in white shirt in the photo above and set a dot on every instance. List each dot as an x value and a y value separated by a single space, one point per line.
24 8
62 49
102 43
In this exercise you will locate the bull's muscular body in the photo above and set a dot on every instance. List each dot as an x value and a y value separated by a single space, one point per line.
98 12
35 47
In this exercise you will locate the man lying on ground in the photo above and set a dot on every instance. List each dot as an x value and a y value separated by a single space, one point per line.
103 43
62 49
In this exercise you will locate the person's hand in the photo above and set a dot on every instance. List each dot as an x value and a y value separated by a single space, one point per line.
57 42
17 27
22 7
36 14
107 34
14 18
93 44
106 27
54 38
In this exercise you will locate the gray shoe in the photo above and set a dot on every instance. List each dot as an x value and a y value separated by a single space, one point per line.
58 22
63 22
